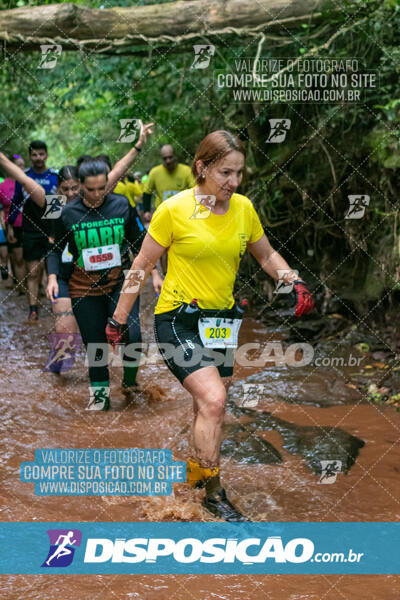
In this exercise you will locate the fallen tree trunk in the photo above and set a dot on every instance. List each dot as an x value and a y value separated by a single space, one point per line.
75 26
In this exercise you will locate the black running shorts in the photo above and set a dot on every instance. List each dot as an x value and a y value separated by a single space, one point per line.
35 246
181 347
18 237
62 288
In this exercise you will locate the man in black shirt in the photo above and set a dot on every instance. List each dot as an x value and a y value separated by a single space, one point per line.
35 224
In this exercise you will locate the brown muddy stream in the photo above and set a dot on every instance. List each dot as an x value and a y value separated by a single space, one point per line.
270 461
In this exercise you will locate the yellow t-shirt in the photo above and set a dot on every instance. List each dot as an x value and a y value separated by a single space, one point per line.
166 184
204 253
129 189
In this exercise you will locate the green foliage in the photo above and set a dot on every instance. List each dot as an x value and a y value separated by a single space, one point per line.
300 187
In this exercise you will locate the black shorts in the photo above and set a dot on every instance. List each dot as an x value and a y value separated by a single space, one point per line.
62 288
181 347
35 246
18 237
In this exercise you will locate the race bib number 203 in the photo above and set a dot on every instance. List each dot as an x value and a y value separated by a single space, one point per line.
219 333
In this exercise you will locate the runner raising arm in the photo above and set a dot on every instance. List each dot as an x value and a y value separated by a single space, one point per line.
100 229
123 165
36 191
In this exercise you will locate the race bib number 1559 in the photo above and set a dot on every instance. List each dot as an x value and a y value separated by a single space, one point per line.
102 257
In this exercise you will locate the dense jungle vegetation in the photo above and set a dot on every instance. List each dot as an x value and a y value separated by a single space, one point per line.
299 187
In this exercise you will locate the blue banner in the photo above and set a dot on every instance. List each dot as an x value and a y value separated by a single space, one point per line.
200 548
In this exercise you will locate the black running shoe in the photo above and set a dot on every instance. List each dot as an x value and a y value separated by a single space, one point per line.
4 273
219 505
33 316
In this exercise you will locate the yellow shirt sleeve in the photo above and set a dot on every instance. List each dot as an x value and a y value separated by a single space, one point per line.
190 182
149 185
132 190
160 227
257 230
120 188
136 188
128 189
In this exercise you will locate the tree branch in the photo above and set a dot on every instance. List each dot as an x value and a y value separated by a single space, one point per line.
75 26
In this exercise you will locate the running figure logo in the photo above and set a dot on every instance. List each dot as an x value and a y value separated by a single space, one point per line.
282 287
330 470
129 130
202 56
61 551
50 55
357 206
133 279
203 205
63 349
54 205
279 129
99 397
252 392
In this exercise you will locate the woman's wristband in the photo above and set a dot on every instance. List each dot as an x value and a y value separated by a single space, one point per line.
114 322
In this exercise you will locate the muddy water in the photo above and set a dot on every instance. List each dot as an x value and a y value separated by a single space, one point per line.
287 433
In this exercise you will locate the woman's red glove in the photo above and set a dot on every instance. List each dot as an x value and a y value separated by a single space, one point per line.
303 298
116 333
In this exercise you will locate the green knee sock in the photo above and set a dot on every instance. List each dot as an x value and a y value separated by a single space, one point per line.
99 395
130 374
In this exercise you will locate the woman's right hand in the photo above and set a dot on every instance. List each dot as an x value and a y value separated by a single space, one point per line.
116 333
52 288
145 130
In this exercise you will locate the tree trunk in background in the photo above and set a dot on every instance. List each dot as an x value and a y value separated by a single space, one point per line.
73 26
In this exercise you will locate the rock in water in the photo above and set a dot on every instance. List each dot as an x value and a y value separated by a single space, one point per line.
243 446
314 444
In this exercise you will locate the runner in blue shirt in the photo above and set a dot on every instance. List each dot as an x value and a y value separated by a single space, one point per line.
36 221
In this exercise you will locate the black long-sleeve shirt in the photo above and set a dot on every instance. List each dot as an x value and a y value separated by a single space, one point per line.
32 220
99 240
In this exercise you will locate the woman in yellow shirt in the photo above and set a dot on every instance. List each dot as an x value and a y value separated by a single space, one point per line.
205 230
